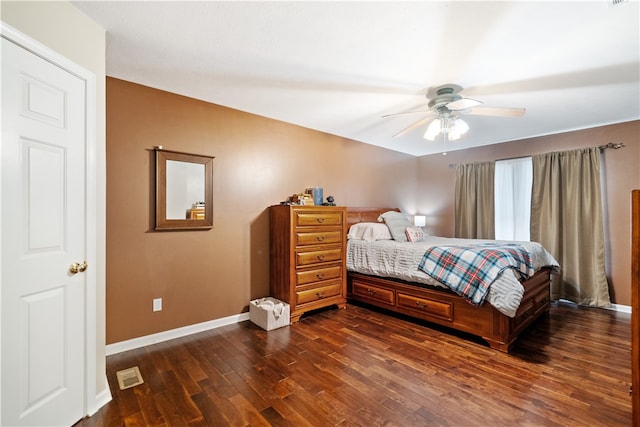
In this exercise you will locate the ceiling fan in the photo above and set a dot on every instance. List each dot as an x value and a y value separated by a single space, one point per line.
446 104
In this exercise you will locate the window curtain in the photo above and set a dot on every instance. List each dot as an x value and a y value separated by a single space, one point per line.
513 198
474 209
566 218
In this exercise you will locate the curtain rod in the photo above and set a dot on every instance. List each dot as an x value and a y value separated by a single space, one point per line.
614 145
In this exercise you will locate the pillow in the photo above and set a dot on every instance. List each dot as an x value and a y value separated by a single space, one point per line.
369 231
397 224
415 234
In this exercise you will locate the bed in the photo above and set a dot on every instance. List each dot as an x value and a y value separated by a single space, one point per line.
509 306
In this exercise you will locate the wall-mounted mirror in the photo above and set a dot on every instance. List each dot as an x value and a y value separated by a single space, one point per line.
184 191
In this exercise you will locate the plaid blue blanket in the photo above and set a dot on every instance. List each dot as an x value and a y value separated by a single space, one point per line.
470 270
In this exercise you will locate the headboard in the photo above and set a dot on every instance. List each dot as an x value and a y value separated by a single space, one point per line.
355 215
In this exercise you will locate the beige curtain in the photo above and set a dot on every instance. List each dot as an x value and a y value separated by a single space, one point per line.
474 210
566 218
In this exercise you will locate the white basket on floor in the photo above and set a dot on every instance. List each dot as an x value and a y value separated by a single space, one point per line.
269 313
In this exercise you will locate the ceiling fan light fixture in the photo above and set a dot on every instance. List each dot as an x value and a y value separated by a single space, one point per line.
434 129
453 127
457 128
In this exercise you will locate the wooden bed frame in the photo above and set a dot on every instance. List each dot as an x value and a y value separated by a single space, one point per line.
444 307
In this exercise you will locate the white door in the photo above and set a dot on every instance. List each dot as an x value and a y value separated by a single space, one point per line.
43 232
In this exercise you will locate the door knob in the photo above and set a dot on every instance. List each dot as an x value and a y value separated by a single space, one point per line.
78 268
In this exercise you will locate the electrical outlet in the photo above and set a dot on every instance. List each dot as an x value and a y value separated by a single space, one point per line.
157 304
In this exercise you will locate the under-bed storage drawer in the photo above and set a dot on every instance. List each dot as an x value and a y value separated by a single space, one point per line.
541 299
378 294
439 309
530 307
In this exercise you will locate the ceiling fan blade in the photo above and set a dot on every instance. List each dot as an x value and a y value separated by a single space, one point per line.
404 113
496 111
463 104
412 127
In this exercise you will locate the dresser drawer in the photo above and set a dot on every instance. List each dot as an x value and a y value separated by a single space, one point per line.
319 218
376 293
314 257
319 293
318 238
424 305
319 274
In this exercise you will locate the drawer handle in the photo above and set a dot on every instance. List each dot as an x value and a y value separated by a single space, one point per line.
320 294
421 304
320 238
321 257
320 276
320 219
371 291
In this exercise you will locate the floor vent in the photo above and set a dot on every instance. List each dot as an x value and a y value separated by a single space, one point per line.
129 378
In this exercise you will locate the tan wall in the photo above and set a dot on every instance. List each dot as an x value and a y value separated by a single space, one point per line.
205 275
436 187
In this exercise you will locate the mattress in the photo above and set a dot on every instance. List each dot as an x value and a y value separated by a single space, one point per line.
400 260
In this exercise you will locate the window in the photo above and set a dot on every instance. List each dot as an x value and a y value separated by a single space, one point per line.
513 181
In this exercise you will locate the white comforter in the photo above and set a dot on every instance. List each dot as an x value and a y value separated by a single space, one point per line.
389 258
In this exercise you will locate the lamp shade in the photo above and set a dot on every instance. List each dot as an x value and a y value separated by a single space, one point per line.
457 128
433 130
419 220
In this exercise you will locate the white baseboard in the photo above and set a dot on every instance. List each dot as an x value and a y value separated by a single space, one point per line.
621 308
134 343
614 307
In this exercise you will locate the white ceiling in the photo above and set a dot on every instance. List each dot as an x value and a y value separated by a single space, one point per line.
337 67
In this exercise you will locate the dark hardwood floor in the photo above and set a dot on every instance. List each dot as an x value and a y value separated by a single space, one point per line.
360 367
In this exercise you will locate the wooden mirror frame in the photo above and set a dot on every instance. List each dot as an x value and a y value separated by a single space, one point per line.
162 223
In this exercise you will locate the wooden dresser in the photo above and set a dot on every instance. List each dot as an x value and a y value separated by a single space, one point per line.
308 245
